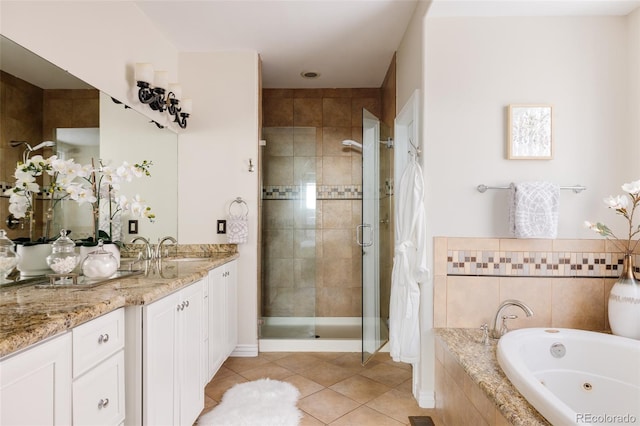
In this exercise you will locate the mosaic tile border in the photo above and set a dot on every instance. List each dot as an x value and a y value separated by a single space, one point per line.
323 192
532 263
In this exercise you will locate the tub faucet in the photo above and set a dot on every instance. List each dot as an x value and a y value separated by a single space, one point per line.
147 247
499 330
161 243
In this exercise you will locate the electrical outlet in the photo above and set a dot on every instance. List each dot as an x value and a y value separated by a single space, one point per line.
222 227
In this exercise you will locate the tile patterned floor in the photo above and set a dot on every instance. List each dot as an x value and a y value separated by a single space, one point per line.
334 388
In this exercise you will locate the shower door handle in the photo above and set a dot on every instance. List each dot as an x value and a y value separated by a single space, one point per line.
359 235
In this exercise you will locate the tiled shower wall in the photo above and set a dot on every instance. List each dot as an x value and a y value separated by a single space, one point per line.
565 282
32 114
312 266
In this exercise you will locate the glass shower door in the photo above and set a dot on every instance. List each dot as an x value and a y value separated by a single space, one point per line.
368 236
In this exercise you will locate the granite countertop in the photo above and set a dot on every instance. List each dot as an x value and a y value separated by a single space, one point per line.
29 314
480 363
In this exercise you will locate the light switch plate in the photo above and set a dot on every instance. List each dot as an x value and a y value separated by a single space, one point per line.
222 227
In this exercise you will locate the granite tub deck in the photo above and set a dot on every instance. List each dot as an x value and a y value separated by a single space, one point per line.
479 363
29 315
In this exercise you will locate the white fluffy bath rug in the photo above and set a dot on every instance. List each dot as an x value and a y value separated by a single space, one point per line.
263 402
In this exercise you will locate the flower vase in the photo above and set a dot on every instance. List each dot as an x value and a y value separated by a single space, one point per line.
624 303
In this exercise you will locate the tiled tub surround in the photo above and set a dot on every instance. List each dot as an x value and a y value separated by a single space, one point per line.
565 282
29 315
471 389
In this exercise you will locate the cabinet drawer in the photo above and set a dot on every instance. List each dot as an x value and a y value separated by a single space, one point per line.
97 340
98 396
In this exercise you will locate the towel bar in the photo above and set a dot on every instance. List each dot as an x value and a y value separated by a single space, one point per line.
575 188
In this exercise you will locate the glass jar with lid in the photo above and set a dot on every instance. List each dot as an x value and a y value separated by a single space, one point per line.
99 264
63 258
8 257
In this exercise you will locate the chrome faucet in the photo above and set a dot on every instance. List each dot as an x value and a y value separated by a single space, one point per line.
148 252
160 244
499 330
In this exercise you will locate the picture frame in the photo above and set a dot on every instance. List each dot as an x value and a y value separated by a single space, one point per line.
530 132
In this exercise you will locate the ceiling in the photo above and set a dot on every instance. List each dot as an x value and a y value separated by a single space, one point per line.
350 43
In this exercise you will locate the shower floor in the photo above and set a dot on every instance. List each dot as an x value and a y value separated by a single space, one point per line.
311 335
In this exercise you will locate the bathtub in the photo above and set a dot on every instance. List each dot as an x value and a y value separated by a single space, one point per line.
574 377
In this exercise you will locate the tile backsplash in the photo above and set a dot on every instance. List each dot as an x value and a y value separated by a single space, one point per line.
565 282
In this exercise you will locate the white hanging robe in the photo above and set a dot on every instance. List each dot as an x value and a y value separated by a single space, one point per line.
409 266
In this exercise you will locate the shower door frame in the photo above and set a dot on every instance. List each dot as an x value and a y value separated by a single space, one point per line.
369 236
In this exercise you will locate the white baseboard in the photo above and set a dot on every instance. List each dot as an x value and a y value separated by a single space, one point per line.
427 399
245 351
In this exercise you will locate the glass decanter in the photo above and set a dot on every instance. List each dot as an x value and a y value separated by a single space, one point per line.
63 258
99 264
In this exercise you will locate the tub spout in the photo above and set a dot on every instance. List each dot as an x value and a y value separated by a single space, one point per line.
500 327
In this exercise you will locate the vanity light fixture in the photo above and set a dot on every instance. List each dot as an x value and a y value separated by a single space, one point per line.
162 96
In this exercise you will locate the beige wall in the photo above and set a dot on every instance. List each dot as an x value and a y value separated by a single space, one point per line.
633 40
478 66
213 165
565 282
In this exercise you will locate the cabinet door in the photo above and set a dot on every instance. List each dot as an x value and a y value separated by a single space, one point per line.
190 353
98 396
159 375
217 323
35 385
231 297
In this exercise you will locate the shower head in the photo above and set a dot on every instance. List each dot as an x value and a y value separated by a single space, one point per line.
42 145
28 150
15 144
351 143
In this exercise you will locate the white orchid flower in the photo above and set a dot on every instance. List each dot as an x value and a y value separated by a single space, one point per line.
632 188
126 172
24 176
85 171
617 202
18 210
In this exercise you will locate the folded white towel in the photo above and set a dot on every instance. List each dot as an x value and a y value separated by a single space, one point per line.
237 229
533 209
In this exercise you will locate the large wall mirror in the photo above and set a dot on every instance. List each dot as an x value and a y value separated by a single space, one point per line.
41 102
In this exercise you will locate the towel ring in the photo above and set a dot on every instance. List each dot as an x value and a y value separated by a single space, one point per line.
242 205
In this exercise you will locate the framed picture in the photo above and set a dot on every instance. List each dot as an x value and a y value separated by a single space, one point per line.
530 135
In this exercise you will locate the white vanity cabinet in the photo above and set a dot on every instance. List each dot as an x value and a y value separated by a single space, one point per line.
76 378
172 347
222 318
35 384
98 371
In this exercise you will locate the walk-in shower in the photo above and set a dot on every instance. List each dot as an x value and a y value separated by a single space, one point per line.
312 228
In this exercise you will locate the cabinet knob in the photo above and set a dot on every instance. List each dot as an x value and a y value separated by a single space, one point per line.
103 403
104 338
186 303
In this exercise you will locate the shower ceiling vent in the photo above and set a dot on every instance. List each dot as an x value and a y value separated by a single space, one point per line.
310 74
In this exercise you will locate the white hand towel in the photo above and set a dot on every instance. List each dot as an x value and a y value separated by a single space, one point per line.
237 229
533 209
